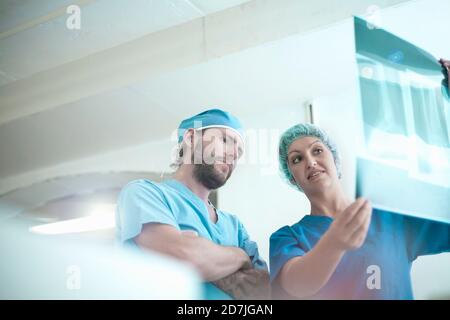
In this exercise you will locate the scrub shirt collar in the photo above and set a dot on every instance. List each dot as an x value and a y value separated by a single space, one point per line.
315 220
182 188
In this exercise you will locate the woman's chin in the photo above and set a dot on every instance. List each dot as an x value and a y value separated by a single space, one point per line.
319 185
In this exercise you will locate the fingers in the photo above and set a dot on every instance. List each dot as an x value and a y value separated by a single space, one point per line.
253 284
359 218
251 276
360 233
347 215
350 227
445 67
445 63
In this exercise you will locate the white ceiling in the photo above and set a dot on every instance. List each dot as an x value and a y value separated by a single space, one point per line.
104 24
276 75
280 74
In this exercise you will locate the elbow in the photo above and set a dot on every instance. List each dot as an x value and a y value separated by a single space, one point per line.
299 288
299 291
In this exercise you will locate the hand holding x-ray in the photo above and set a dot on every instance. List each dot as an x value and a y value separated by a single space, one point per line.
446 71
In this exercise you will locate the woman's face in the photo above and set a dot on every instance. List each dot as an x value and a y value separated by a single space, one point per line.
311 164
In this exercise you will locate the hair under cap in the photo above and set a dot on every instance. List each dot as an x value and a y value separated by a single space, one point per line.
299 131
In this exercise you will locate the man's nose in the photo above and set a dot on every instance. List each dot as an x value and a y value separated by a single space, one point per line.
231 152
231 157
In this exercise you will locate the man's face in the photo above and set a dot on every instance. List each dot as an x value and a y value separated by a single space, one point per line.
216 151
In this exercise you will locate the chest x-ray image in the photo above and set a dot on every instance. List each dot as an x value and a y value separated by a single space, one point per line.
405 165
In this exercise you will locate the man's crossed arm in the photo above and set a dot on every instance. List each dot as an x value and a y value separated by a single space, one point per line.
229 268
213 261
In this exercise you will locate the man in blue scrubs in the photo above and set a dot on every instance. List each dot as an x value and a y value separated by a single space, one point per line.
176 218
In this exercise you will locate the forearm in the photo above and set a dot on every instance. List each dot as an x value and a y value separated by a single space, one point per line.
211 260
305 276
246 284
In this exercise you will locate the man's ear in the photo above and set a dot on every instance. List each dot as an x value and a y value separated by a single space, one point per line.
188 137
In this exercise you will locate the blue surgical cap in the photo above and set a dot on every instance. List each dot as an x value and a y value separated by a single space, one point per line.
299 131
214 118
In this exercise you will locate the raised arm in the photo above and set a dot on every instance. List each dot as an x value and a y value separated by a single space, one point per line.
304 276
211 260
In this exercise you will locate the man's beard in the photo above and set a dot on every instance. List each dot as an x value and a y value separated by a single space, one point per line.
208 176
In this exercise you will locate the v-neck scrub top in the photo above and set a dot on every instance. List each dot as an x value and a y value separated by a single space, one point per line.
393 242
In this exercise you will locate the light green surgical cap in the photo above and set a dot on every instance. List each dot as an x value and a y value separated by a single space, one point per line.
299 131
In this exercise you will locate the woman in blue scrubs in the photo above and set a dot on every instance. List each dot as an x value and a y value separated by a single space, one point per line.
343 249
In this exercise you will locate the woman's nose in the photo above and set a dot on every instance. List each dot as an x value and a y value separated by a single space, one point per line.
311 163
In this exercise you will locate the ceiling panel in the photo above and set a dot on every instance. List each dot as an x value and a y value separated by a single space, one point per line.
104 24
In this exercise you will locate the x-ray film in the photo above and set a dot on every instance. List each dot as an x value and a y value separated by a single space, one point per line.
405 163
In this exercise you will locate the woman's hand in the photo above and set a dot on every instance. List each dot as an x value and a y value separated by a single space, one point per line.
349 229
445 64
446 71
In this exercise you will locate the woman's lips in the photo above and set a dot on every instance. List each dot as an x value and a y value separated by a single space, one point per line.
315 175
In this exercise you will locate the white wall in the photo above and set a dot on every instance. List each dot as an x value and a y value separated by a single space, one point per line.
256 193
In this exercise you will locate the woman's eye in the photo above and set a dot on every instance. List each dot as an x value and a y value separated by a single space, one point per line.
318 151
296 160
